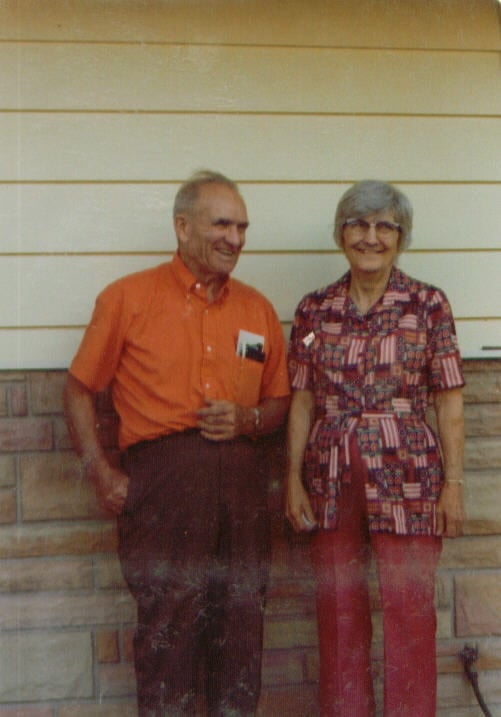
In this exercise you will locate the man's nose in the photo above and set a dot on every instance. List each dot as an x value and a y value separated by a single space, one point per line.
235 236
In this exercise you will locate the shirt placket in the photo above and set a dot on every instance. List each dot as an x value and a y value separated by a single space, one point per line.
208 364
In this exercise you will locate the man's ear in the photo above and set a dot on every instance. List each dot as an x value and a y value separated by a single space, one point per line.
181 222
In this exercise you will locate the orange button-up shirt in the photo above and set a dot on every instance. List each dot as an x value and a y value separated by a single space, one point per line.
165 349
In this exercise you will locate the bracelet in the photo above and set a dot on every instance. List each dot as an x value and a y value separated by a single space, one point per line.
257 419
460 482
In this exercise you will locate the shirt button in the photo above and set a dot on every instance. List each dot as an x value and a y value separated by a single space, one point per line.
209 348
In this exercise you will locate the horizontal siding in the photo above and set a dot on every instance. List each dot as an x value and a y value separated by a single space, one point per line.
197 78
463 24
101 218
106 106
61 290
38 146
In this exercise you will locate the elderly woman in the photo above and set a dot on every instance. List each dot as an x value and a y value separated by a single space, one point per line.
366 473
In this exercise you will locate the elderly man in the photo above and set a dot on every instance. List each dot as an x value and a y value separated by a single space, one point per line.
195 361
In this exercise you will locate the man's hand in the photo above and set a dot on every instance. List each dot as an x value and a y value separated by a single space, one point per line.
222 420
111 484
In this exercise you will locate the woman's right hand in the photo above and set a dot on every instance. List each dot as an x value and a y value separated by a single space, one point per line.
298 508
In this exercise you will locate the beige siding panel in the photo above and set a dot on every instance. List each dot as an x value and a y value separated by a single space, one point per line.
43 146
60 290
428 23
284 217
40 348
201 78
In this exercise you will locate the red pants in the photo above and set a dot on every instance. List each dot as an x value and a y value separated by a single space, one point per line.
406 569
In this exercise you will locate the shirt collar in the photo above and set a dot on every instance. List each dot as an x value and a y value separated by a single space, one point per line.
190 284
396 293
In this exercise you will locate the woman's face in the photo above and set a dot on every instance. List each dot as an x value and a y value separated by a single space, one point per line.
371 249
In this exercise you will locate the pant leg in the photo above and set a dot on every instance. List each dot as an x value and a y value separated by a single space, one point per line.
167 532
238 588
407 567
341 560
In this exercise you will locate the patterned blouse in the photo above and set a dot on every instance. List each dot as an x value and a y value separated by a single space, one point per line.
371 376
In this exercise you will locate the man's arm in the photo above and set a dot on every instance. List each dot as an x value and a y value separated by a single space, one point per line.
223 420
110 483
450 420
297 507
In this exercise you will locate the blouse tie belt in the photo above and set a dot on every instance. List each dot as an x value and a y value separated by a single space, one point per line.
347 431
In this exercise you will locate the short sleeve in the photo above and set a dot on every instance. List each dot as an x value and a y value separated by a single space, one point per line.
299 353
98 355
444 359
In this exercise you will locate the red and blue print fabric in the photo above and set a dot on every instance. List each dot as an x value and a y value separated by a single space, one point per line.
372 376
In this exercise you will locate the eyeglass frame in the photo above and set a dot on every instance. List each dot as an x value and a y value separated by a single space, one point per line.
364 225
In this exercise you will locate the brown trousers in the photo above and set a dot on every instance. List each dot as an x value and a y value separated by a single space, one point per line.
194 549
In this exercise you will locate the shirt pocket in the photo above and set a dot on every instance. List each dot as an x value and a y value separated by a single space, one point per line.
248 375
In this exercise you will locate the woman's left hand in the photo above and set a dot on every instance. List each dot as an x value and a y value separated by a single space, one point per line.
450 511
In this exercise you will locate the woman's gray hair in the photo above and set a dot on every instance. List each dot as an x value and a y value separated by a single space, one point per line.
369 196
187 195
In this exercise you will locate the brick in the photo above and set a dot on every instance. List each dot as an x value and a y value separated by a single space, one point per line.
10 376
59 610
39 666
482 453
108 574
443 589
26 434
489 654
7 471
25 711
4 405
128 644
478 604
303 605
66 493
8 505
108 709
479 552
483 419
298 701
116 681
281 667
482 490
47 391
284 634
495 711
107 646
19 399
312 665
32 575
45 540
455 691
483 387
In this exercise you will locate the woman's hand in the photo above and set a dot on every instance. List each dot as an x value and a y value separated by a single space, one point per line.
297 507
450 419
450 511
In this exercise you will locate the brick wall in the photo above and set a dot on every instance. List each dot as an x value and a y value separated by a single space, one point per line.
66 620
